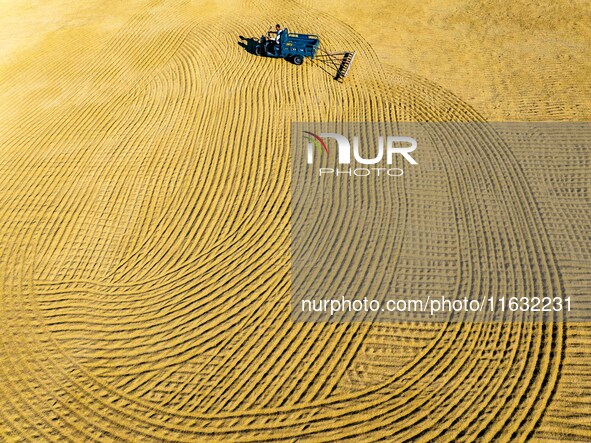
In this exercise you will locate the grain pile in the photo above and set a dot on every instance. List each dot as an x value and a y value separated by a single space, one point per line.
145 236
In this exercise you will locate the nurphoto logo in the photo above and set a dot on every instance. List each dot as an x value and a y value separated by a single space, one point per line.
391 145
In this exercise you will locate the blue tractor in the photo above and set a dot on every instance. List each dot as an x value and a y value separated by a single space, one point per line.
291 46
295 47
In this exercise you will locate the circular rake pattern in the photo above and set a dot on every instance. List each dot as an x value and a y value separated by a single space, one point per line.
144 260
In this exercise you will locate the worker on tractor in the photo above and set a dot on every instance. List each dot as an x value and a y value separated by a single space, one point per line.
273 44
278 31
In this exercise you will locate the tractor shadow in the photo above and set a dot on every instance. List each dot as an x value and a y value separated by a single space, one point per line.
249 44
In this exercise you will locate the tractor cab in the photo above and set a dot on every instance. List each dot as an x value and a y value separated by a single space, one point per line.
272 48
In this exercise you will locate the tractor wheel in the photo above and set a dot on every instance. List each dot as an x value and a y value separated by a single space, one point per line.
298 60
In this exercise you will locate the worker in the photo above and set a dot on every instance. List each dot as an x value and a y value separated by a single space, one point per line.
279 32
274 44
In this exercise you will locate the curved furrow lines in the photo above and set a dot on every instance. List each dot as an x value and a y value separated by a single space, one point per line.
155 272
